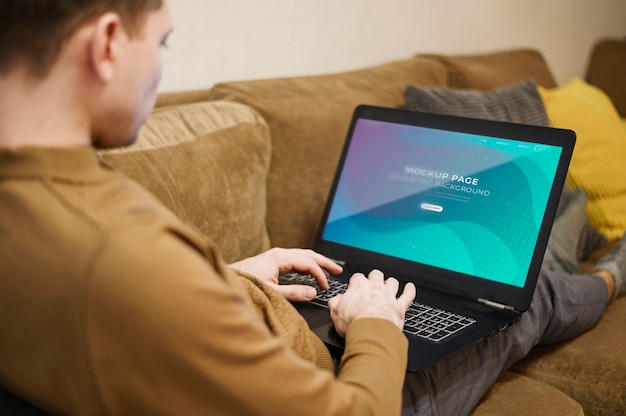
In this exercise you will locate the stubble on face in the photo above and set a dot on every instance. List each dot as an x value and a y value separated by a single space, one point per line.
135 92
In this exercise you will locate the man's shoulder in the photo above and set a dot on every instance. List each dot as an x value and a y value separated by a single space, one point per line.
68 224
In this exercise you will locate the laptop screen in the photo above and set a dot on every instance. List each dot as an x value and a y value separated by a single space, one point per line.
463 202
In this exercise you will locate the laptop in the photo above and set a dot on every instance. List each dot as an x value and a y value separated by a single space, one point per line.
461 207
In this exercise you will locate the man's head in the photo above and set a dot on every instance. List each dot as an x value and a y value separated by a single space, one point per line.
100 59
32 32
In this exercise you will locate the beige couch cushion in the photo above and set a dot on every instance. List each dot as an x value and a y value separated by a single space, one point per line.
208 162
589 368
497 69
308 119
513 394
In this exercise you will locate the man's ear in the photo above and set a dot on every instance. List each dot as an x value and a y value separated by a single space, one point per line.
106 41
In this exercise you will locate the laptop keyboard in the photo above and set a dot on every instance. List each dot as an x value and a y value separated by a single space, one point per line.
421 320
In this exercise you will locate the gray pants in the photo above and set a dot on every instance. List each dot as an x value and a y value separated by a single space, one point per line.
563 307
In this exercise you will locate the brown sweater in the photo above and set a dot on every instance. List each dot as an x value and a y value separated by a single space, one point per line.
110 305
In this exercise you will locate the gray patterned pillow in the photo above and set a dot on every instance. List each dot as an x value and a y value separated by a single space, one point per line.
515 103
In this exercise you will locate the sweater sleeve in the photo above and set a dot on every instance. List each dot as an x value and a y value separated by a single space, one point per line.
168 333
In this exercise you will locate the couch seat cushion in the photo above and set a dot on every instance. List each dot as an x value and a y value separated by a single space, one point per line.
589 368
513 394
208 163
308 119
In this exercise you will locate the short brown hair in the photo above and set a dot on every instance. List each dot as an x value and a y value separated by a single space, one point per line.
32 32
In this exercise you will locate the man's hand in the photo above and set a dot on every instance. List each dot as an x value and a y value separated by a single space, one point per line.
371 297
269 265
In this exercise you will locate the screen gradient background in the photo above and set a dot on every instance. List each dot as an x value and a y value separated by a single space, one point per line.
487 230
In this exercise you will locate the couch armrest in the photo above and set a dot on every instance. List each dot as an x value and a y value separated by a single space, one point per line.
607 70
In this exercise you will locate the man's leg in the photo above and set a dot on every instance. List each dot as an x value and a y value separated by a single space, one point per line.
566 231
563 307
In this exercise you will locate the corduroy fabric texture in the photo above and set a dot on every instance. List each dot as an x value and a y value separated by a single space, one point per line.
208 162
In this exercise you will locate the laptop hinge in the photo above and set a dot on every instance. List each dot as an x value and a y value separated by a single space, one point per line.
496 305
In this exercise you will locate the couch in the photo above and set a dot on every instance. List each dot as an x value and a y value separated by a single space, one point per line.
249 164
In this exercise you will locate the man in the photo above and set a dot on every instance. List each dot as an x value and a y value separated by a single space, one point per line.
110 305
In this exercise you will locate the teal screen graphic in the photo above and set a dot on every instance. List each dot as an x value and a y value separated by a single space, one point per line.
468 203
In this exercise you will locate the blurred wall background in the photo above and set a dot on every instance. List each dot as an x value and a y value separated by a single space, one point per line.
226 40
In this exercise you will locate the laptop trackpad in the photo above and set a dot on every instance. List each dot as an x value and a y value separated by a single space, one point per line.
314 315
329 335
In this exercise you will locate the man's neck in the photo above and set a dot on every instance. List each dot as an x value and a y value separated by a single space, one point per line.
43 112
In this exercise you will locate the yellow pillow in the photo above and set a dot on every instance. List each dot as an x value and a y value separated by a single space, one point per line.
599 162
